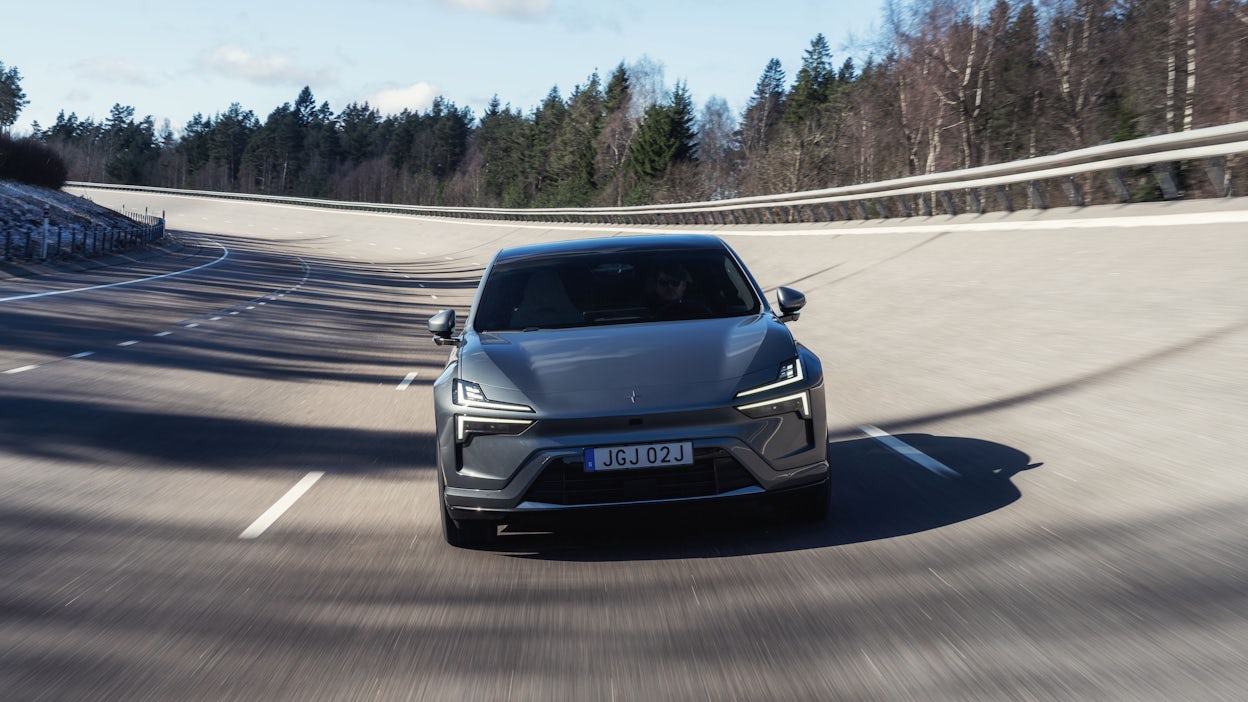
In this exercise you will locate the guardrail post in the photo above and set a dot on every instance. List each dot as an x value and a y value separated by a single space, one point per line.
1119 185
1073 191
925 205
1003 197
1036 196
902 205
946 199
1165 178
43 251
862 209
1218 176
975 204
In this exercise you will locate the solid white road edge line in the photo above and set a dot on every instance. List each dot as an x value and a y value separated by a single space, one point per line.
279 508
407 381
908 451
23 369
225 254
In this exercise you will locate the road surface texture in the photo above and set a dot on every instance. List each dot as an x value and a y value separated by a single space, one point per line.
216 476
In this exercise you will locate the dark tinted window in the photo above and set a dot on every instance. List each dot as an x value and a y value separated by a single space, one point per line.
574 290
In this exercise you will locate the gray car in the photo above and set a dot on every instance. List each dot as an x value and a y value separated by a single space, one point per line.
608 373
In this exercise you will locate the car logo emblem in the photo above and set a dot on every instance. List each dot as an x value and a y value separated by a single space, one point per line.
633 396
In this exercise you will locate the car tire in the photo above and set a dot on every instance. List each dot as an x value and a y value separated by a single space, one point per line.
463 533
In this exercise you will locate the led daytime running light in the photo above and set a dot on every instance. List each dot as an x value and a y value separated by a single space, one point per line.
469 394
804 397
462 422
798 375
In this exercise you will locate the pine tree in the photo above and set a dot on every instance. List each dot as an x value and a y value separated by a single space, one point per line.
683 119
665 136
764 110
617 90
12 97
814 83
572 154
360 132
547 123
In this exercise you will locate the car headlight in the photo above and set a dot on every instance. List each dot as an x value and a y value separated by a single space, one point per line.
469 394
799 403
467 426
789 372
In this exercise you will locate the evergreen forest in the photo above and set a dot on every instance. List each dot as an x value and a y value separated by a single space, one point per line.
955 84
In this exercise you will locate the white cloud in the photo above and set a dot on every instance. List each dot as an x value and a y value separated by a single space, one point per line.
392 101
113 71
271 69
516 9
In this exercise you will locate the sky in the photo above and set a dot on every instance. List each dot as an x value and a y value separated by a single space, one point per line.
173 60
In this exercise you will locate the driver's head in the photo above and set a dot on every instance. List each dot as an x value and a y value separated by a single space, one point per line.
671 282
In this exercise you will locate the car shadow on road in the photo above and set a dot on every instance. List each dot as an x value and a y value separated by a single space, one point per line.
876 494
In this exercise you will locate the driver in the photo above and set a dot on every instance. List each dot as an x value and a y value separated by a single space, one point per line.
670 285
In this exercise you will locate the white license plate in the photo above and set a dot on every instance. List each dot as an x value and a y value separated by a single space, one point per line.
639 456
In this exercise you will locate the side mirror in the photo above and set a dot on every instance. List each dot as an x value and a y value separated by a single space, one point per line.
791 302
442 325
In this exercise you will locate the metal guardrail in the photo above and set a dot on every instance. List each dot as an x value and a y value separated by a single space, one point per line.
1072 176
60 242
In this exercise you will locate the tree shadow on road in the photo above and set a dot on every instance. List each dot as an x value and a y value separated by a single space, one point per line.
876 494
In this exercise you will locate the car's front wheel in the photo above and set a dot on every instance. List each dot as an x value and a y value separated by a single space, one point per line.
463 533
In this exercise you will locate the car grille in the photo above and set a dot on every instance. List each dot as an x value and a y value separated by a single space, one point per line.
713 472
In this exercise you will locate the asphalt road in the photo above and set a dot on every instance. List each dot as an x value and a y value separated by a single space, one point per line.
217 484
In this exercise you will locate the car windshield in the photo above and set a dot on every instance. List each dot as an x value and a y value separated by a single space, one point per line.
592 289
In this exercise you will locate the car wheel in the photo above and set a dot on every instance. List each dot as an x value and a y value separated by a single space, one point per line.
463 533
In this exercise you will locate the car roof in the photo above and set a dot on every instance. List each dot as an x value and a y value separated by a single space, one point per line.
612 244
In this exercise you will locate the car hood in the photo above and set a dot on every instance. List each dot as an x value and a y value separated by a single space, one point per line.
628 368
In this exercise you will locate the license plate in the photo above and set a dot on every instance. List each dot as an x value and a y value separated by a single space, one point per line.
639 456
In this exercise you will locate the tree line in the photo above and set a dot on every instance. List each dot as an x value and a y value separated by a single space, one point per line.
954 84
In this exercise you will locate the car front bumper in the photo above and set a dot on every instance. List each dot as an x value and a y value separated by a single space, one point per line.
542 468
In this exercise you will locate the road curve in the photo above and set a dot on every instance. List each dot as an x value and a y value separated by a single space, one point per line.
217 484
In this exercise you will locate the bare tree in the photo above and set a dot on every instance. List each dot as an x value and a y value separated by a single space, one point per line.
718 150
1081 59
1189 104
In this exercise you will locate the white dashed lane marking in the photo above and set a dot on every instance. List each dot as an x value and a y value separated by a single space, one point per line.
279 508
909 452
272 296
